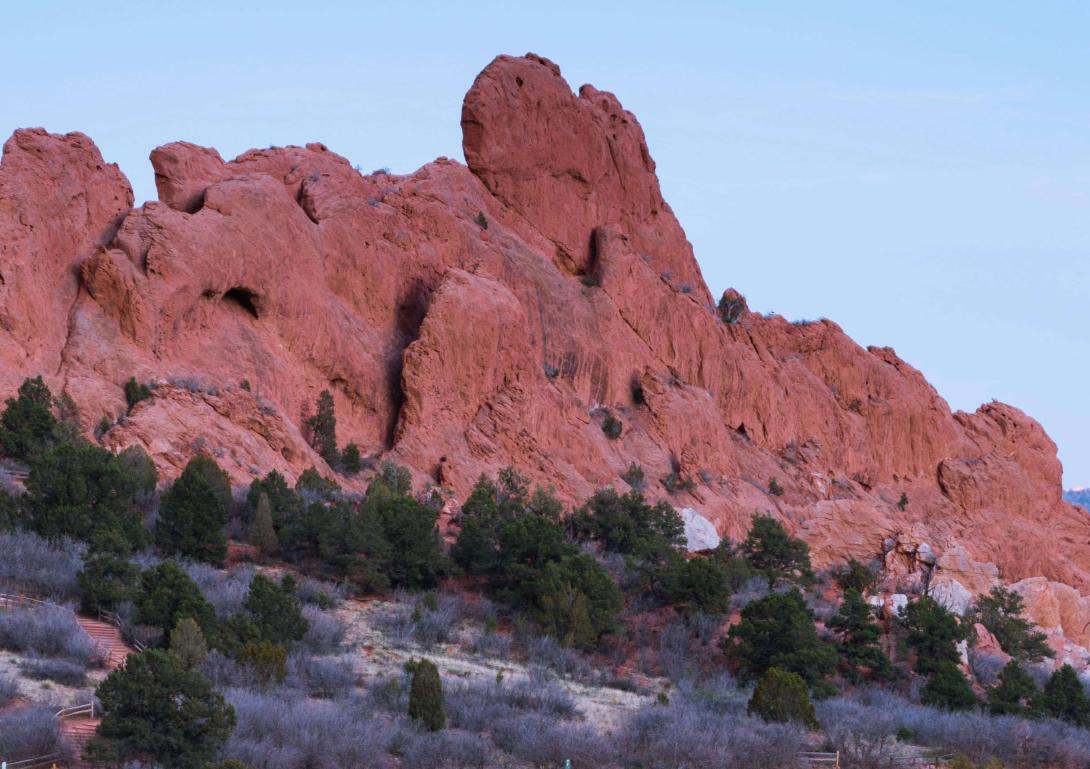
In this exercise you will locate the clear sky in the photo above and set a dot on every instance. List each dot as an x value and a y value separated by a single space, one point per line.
918 172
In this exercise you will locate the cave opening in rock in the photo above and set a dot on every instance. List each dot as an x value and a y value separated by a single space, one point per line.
244 298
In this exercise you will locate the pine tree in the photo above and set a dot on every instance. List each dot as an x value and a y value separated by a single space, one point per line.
323 429
76 490
778 631
1063 697
1015 694
774 554
267 660
350 459
188 644
563 610
155 709
854 575
781 697
285 503
261 533
858 636
1001 612
934 632
27 426
694 584
167 594
135 392
193 515
426 696
275 610
107 578
948 689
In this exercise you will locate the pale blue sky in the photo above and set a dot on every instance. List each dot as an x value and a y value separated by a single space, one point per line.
919 173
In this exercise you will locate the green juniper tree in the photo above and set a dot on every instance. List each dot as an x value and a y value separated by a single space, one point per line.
778 631
575 600
628 524
1015 694
261 533
275 610
695 585
351 461
426 696
781 697
858 640
1001 613
323 429
774 554
1064 698
135 392
156 709
76 490
107 578
167 594
27 426
854 575
948 688
188 644
933 632
194 513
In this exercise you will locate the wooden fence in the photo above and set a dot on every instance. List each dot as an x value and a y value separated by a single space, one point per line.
37 762
115 619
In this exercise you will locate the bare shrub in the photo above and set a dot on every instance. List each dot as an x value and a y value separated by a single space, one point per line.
391 694
281 730
445 750
224 673
493 645
325 632
48 631
986 667
427 620
754 589
9 689
29 732
321 593
544 742
324 677
62 671
865 738
719 694
685 734
225 590
475 707
547 652
35 565
1017 742
674 655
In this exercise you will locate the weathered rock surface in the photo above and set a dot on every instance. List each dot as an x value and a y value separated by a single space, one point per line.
468 317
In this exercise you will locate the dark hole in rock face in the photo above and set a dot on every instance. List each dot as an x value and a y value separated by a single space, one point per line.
244 298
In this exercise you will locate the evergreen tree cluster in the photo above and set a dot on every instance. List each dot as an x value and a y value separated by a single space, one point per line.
321 429
514 538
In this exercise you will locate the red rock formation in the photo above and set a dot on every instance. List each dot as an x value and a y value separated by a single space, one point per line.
470 317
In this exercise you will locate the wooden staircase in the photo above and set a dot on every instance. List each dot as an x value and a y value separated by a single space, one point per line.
108 638
79 723
76 733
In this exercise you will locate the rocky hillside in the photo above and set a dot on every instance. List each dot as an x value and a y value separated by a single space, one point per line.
468 317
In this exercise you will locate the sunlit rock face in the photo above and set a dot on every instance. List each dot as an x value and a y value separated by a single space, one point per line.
471 316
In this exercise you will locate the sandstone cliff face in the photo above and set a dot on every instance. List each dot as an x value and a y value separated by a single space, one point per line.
467 317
